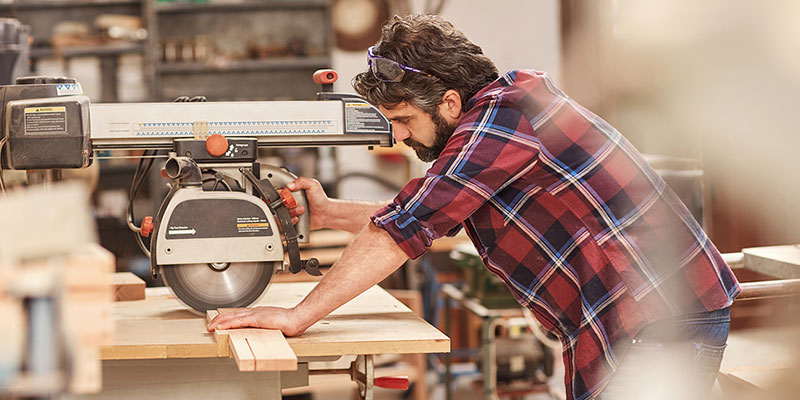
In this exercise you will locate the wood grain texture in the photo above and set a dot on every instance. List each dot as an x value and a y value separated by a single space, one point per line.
242 353
372 323
261 350
128 287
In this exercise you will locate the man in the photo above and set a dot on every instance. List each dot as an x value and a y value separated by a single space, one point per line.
558 204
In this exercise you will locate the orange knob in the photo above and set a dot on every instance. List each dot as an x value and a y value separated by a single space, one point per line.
325 76
392 382
216 145
288 198
147 226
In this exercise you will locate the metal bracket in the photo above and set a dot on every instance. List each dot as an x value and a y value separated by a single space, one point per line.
364 375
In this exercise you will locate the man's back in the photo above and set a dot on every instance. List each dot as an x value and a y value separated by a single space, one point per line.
570 216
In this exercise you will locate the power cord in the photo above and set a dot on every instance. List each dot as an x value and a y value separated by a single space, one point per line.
139 176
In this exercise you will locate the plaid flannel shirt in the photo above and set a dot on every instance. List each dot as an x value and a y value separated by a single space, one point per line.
570 216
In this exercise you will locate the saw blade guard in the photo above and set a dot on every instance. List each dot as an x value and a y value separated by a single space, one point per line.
214 248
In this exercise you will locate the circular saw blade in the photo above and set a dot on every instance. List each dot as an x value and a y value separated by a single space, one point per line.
205 287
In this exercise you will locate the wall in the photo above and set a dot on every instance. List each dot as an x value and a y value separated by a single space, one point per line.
513 33
716 80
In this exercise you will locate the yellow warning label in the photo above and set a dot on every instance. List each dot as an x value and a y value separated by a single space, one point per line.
254 225
45 109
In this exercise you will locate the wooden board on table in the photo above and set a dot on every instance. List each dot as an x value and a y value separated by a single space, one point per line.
128 287
372 323
778 261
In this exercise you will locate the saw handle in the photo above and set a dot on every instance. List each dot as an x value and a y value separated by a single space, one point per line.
392 382
279 178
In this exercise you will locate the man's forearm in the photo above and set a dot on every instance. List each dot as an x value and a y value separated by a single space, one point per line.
371 257
350 215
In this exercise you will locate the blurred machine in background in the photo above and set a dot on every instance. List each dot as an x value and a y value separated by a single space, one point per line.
14 50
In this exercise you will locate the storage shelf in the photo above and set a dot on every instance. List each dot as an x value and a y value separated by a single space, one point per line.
228 5
58 4
87 51
247 65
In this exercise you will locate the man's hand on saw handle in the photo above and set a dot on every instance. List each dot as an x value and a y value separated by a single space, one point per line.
343 215
318 202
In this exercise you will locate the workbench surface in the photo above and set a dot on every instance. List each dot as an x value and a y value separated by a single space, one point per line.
160 327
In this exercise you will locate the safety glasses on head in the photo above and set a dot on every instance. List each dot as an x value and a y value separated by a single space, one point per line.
387 70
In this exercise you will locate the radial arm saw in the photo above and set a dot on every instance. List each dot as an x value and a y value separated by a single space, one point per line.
215 246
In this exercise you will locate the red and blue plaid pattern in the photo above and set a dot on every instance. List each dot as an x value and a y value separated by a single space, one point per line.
564 209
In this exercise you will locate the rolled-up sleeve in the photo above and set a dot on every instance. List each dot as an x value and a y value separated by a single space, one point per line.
493 145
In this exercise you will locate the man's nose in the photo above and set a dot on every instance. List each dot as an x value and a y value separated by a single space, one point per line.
401 133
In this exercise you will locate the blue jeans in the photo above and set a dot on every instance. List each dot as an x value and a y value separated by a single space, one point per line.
676 358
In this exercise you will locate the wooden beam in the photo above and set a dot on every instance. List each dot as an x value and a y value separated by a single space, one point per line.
242 353
128 286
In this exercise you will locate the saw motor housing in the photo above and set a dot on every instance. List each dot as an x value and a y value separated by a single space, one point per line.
46 124
207 231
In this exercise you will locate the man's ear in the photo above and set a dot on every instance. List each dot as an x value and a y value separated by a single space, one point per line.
450 107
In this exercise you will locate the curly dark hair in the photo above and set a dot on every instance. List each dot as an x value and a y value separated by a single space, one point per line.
431 44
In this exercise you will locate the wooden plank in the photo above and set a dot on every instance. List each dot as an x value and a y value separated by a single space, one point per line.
271 350
372 323
128 287
778 261
328 238
302 276
242 353
268 347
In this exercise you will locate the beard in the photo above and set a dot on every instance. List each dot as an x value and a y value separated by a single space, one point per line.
442 133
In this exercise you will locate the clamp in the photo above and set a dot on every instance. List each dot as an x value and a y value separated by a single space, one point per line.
362 371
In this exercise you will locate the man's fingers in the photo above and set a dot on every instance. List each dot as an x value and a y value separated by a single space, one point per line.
212 324
224 318
297 211
239 322
302 183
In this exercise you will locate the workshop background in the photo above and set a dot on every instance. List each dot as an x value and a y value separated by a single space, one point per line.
709 91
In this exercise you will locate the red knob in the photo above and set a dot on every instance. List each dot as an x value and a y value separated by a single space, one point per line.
216 145
325 76
392 382
288 198
147 226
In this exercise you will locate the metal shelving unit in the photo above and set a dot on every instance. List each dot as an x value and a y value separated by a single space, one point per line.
44 15
233 26
247 5
53 4
247 65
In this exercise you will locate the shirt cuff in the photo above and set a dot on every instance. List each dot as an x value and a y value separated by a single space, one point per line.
405 229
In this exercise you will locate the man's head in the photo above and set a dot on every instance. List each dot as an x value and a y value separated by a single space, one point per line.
441 69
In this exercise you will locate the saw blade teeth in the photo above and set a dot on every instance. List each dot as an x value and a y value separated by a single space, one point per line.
202 287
